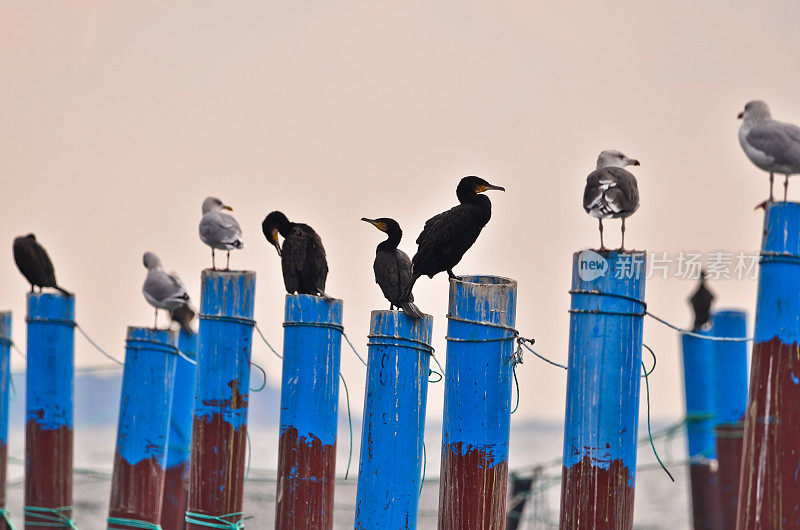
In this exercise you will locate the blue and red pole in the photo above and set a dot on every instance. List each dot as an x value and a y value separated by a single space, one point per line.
312 342
48 410
730 370
219 434
5 375
603 380
477 402
390 468
769 491
137 482
176 480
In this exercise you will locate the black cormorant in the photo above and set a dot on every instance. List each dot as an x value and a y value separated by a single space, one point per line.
34 263
701 301
302 254
447 236
611 191
393 267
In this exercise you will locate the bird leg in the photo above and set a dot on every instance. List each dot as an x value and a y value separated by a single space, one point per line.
451 275
155 323
602 246
771 180
785 187
228 262
391 307
213 263
622 248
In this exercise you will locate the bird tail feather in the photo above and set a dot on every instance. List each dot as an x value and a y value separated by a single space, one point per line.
410 309
406 294
63 291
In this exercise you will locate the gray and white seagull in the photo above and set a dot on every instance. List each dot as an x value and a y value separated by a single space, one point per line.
160 289
611 191
772 145
219 230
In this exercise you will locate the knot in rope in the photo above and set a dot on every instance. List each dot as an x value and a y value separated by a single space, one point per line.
217 521
49 517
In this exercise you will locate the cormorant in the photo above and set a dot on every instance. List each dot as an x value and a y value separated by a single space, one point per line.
701 301
771 145
302 255
162 290
219 230
393 267
184 316
447 236
611 191
34 263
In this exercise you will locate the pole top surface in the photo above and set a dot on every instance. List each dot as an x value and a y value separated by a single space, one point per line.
228 293
482 298
52 305
163 336
5 324
782 228
310 308
398 324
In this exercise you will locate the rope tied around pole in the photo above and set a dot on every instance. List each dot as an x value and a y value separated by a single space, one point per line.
245 322
349 424
217 521
329 325
649 429
49 517
6 517
415 345
133 523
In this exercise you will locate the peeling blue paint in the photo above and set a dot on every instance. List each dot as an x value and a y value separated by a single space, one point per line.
180 425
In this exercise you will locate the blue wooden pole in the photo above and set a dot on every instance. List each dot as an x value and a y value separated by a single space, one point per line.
137 481
699 392
477 402
5 375
389 473
730 369
312 342
219 433
48 409
605 354
772 421
176 481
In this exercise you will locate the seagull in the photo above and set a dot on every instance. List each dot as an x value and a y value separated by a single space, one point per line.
219 230
611 191
303 261
772 145
34 263
701 301
160 289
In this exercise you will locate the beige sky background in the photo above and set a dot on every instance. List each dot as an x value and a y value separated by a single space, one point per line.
117 119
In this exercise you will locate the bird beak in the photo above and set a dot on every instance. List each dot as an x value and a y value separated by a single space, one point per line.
277 246
741 115
634 162
488 187
226 207
374 222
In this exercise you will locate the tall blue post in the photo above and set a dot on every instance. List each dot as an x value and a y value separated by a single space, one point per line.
312 343
5 375
730 370
772 421
605 364
219 433
477 402
176 481
48 409
390 468
137 481
699 392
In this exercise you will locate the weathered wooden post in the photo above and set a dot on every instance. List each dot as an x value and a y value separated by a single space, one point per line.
219 431
389 474
137 482
605 364
312 341
477 402
176 480
5 377
769 491
48 410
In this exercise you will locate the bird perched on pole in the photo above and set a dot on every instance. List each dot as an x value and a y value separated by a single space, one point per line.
303 261
219 230
34 263
771 145
392 267
447 236
160 289
701 301
611 191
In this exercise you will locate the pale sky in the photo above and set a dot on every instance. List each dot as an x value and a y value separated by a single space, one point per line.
119 118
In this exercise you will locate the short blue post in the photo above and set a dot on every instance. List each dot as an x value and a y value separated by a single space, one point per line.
5 374
137 481
603 383
699 393
312 342
730 371
219 429
48 409
477 402
176 481
390 468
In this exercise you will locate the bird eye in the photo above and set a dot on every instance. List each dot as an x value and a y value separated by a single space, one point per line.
620 155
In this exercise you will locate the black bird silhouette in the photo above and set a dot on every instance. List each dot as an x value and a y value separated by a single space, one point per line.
34 263
447 236
184 316
393 267
302 255
701 301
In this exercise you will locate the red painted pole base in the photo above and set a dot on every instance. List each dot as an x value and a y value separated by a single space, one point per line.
706 511
729 455
596 497
136 490
176 489
48 470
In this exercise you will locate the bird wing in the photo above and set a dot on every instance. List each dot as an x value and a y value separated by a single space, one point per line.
387 275
220 228
49 274
303 260
611 191
404 273
778 140
445 238
160 288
